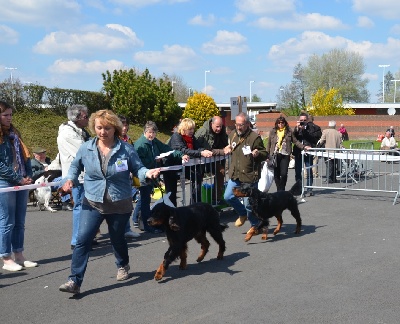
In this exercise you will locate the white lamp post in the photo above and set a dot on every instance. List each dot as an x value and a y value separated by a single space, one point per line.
394 96
383 80
190 91
12 84
250 89
205 80
172 84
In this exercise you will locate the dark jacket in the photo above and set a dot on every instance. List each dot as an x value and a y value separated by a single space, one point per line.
38 167
288 138
246 168
147 152
308 136
210 140
178 143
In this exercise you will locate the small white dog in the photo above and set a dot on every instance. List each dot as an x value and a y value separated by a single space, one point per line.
43 194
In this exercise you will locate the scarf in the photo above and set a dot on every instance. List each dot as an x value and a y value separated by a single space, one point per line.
189 141
280 133
21 151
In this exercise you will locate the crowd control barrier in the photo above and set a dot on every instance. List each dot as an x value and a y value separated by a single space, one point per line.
355 169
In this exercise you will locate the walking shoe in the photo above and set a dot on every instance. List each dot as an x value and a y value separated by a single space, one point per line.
240 221
131 234
26 264
67 206
12 267
70 287
122 273
253 230
135 225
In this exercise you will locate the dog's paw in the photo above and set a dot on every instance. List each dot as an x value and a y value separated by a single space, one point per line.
264 237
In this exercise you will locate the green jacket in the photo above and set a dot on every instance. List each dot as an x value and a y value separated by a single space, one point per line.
210 140
246 168
147 152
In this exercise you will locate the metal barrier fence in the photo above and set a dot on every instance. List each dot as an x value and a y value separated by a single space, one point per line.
204 169
355 169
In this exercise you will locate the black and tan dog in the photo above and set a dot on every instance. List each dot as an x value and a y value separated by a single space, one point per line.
181 225
266 205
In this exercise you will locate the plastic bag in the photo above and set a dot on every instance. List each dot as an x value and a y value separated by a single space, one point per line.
266 179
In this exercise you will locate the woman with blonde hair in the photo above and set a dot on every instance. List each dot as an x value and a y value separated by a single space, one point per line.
184 140
108 162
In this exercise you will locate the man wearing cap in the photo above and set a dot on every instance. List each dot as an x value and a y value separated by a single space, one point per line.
40 162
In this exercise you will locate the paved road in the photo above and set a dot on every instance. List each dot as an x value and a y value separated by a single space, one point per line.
342 268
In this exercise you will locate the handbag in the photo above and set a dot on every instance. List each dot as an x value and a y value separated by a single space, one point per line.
266 179
272 162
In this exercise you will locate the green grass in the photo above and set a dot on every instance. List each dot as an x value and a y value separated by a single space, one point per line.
40 128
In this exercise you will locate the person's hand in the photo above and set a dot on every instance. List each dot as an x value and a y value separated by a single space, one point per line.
25 181
227 150
185 158
67 186
306 148
153 173
206 153
255 153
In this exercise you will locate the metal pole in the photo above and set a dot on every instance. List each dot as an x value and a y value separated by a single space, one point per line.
250 89
394 96
383 80
12 84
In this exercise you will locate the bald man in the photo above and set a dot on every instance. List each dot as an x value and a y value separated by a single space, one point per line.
212 136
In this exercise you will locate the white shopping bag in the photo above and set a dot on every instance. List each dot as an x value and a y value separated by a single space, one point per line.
266 179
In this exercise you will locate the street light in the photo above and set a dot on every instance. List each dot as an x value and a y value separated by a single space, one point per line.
12 84
383 80
205 80
172 84
250 89
190 91
394 96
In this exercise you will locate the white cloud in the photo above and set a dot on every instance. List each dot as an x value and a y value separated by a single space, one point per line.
172 58
8 35
113 38
365 22
388 9
226 43
199 20
79 66
310 42
262 7
311 21
239 17
39 12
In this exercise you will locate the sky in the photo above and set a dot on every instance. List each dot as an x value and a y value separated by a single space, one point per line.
69 44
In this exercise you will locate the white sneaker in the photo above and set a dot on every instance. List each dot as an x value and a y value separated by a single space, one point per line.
131 234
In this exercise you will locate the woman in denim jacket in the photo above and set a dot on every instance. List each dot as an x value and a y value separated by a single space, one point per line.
15 169
108 162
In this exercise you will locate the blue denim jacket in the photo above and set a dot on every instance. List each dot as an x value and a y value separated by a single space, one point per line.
123 161
7 172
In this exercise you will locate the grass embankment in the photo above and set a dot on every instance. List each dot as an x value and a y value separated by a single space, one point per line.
41 129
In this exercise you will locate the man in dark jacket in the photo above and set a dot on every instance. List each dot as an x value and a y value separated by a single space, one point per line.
212 136
308 134
248 151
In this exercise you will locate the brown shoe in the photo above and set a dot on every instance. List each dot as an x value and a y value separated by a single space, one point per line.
250 233
240 221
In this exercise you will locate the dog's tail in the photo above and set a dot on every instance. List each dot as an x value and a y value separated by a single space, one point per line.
223 227
296 188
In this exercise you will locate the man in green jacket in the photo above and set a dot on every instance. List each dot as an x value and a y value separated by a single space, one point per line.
248 151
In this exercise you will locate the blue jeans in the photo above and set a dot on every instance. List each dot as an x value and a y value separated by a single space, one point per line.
241 209
90 220
298 166
142 206
12 220
77 195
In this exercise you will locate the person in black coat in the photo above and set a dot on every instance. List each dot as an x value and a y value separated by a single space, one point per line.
184 140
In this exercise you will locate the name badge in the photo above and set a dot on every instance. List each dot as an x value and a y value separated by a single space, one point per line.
246 149
121 165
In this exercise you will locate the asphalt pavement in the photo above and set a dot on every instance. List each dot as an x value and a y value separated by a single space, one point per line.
342 268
